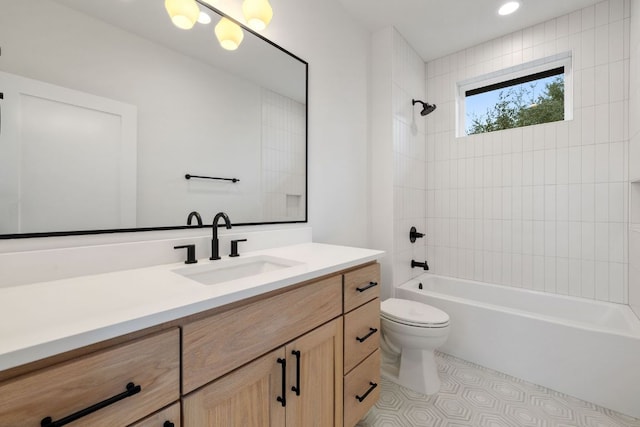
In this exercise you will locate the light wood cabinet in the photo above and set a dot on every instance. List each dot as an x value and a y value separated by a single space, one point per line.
64 390
296 385
314 364
361 333
247 397
361 342
361 389
218 344
361 286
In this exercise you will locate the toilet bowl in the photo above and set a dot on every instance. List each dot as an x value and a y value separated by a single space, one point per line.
411 331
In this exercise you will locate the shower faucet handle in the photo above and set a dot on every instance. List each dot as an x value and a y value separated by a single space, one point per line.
413 235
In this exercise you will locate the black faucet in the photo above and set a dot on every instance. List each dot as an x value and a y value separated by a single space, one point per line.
214 240
195 215
422 265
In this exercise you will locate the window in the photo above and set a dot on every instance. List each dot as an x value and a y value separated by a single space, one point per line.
510 99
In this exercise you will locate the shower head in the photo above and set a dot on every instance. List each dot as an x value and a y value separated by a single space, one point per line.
426 107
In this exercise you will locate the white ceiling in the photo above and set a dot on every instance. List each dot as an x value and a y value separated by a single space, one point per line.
435 28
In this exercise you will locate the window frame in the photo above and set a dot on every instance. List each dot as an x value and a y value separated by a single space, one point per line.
521 71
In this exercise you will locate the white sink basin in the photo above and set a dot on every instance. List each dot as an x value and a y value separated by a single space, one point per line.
226 270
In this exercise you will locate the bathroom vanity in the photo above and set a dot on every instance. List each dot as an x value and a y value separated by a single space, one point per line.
276 348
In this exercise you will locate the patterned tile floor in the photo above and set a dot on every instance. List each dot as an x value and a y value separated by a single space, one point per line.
474 396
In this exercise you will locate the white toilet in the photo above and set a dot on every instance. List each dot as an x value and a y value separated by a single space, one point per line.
411 331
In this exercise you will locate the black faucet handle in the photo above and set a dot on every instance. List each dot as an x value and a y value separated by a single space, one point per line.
191 253
414 234
234 247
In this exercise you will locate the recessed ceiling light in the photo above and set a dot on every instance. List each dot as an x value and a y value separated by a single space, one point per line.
508 8
203 18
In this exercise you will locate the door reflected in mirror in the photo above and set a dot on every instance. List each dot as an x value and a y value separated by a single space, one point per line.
107 106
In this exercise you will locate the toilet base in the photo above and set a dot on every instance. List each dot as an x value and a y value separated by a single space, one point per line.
416 370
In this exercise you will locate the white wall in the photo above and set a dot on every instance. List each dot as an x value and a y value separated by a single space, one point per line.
409 156
634 160
398 155
382 169
541 207
336 47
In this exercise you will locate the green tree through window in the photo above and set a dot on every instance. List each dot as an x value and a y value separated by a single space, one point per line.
518 106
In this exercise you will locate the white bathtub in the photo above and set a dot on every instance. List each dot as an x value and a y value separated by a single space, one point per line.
583 348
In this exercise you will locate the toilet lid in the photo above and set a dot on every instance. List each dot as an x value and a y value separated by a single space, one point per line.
413 313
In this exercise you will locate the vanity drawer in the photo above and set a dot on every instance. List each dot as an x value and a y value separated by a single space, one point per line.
361 333
360 394
220 343
167 417
65 389
360 286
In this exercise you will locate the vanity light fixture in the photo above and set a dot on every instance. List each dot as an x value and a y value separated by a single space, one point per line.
508 8
183 13
258 13
229 34
203 18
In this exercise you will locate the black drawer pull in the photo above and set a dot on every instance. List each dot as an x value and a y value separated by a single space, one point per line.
364 338
296 388
364 396
168 424
131 390
283 399
370 285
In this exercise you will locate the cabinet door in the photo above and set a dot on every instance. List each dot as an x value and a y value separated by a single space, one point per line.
247 397
316 371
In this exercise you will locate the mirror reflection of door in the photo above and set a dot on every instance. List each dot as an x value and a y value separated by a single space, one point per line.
70 146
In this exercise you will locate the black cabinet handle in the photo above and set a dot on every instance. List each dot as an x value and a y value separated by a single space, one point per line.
296 388
283 399
370 285
364 396
168 424
131 390
364 338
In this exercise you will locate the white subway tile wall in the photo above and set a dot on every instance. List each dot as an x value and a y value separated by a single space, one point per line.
283 158
542 207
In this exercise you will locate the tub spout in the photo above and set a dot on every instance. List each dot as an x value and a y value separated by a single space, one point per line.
423 265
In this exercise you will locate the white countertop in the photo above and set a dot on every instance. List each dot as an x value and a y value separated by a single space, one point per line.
48 318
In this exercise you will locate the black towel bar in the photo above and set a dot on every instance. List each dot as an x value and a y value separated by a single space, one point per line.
189 176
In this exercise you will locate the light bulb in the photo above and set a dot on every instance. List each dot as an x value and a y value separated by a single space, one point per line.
258 13
229 34
203 18
183 13
508 8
